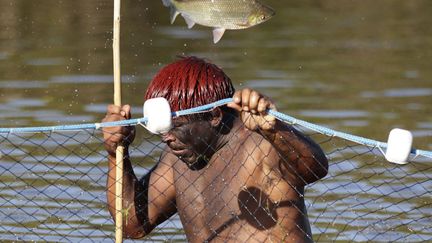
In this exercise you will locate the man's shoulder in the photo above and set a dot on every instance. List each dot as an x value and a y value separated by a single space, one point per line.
253 143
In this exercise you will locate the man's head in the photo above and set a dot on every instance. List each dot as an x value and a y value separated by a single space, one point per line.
187 83
190 82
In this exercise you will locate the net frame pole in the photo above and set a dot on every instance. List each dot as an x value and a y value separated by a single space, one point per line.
120 148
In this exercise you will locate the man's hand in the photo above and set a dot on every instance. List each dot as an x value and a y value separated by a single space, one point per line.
253 107
121 135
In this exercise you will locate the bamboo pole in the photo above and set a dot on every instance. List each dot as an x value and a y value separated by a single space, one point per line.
117 101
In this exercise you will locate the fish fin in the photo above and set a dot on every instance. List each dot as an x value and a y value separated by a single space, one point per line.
244 25
217 34
173 14
166 3
190 23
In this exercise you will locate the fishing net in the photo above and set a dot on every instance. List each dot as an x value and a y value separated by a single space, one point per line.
53 189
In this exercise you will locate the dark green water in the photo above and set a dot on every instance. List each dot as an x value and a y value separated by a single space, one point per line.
362 67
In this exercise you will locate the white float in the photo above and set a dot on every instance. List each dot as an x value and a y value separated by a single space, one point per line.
399 146
158 114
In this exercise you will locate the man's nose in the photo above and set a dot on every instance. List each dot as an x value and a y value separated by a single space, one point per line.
167 137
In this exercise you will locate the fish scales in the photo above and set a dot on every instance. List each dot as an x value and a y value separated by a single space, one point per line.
220 14
228 14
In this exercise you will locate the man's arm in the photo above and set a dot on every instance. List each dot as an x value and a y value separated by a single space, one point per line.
146 202
302 160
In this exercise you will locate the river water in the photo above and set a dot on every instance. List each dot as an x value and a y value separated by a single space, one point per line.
361 67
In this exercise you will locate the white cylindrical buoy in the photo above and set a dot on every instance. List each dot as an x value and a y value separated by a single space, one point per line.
158 114
399 146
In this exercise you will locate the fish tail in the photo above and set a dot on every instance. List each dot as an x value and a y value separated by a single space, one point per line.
166 3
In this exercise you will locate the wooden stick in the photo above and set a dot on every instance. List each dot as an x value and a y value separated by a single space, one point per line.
117 101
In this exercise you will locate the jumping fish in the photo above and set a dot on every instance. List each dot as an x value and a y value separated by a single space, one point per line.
220 14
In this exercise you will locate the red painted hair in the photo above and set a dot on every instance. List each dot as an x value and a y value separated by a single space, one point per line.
190 82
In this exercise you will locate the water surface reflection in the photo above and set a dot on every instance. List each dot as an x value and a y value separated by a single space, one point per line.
361 67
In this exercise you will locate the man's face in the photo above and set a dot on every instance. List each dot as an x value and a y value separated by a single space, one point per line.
190 140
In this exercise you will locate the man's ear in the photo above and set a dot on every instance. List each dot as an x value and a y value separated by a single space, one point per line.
217 116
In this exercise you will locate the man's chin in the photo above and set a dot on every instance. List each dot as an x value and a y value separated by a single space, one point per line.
188 159
195 162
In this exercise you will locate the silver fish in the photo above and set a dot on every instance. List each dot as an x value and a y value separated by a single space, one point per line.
220 14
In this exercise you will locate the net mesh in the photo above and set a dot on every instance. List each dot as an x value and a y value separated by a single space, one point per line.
53 188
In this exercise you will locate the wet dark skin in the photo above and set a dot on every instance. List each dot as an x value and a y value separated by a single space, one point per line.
231 178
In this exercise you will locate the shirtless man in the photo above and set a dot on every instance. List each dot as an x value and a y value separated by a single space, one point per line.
233 174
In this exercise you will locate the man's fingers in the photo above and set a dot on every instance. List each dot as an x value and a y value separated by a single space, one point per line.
112 118
234 106
113 109
124 111
236 101
253 107
263 105
127 111
113 136
237 97
254 99
245 99
116 113
251 101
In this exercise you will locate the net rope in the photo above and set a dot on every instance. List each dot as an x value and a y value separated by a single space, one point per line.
281 116
53 188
